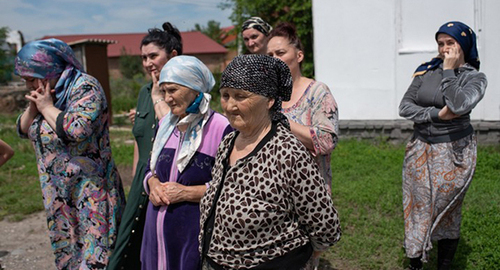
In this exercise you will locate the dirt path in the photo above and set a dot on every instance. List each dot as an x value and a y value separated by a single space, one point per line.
28 247
26 244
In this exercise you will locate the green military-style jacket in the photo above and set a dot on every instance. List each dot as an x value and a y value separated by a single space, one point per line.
128 245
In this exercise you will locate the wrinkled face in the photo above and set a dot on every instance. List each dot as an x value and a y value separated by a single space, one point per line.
245 110
178 98
32 82
153 59
255 41
280 47
445 42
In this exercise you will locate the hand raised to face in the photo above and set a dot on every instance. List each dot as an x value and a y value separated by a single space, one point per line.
42 96
452 57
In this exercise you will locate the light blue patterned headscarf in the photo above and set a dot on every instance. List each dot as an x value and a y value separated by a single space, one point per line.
48 59
190 72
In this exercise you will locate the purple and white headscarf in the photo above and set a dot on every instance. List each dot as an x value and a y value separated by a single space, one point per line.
190 72
48 59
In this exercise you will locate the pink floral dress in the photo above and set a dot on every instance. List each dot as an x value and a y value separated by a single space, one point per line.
81 187
318 110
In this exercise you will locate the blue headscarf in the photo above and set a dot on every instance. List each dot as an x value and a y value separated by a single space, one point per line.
465 36
48 59
190 72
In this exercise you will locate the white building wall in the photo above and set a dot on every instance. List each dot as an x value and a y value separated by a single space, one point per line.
366 50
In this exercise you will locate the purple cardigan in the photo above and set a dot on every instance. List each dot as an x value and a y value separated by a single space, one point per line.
170 233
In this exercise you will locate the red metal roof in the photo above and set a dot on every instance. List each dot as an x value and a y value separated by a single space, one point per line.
194 42
228 36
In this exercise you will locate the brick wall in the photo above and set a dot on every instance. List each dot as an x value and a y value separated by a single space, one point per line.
398 131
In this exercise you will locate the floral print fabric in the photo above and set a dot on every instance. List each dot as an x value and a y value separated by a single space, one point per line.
81 187
47 59
435 179
318 110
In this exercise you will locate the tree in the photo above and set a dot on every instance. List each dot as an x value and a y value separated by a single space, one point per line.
212 30
6 57
298 12
130 65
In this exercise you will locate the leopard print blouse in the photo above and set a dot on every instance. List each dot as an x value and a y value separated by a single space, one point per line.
273 201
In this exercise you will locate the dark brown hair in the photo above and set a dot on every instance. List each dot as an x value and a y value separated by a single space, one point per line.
288 31
168 39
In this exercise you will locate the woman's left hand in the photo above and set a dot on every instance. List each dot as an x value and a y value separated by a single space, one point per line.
42 97
174 191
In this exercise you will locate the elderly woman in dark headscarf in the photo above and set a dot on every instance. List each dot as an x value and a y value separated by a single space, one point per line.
441 157
67 122
255 32
267 206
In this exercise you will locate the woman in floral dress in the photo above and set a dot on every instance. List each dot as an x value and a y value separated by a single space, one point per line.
312 110
67 122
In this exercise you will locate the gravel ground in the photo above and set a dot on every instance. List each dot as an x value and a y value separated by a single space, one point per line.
25 245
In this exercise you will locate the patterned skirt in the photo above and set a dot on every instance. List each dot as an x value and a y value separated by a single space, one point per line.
435 180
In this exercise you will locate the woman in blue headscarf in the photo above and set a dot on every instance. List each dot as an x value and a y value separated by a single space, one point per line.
441 156
67 122
180 166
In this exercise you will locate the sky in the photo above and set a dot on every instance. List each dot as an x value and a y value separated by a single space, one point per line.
38 18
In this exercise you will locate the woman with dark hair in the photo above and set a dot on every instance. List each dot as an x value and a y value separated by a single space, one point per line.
267 206
441 156
157 48
67 122
311 110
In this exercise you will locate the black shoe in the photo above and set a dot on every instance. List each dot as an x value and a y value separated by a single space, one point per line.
446 252
416 264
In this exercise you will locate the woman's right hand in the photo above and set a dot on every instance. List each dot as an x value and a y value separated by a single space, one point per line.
131 115
32 109
29 114
157 194
452 58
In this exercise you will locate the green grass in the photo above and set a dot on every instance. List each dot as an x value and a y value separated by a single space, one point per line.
19 187
366 191
20 192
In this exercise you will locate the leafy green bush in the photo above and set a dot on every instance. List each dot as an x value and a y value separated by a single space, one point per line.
6 58
130 65
215 102
125 92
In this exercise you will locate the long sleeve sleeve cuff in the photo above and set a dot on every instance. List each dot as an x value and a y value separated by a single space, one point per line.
18 128
435 115
146 178
60 127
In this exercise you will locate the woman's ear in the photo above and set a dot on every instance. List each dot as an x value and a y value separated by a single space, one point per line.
300 56
270 103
